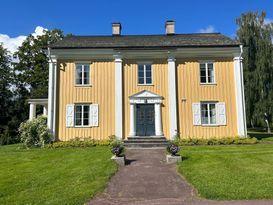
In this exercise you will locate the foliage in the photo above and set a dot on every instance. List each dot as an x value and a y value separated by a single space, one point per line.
79 142
117 147
256 34
229 172
217 141
53 176
35 133
173 147
5 97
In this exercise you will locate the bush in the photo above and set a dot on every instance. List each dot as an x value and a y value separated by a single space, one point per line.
79 142
35 133
218 141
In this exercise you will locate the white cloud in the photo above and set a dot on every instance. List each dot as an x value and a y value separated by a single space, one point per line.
268 21
12 44
209 29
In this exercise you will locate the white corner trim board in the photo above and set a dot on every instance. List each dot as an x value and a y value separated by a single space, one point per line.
239 96
172 96
118 97
52 95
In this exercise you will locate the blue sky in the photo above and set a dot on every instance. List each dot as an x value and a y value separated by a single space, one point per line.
94 17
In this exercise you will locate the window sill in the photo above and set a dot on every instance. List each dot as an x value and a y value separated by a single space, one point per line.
145 84
83 86
208 125
87 126
208 84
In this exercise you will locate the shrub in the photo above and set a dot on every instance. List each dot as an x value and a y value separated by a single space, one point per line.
35 133
218 141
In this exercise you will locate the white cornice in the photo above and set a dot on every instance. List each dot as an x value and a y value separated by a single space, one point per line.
111 54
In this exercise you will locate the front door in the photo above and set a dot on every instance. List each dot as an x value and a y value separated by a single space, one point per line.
145 120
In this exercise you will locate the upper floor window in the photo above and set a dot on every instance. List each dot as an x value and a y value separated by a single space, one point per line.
82 74
207 73
145 74
208 113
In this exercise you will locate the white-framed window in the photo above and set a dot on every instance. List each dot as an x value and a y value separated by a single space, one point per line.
207 72
82 74
82 115
208 113
145 74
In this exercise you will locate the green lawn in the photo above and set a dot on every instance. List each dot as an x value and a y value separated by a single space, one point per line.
53 176
230 172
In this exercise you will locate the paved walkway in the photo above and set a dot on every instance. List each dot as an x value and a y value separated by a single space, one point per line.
147 179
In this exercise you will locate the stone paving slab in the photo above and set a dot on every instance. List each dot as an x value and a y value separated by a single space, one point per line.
148 180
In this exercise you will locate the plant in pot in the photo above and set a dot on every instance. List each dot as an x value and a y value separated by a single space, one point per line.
173 148
117 148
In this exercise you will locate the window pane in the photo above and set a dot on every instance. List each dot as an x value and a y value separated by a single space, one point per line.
204 114
210 73
203 73
148 68
148 74
140 80
86 115
79 74
78 115
148 80
86 75
212 113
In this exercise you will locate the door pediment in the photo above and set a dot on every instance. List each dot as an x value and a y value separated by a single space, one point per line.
145 97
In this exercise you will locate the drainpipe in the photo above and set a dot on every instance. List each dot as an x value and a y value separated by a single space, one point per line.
242 88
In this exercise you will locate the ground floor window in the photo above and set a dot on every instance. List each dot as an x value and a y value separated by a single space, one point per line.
208 113
82 115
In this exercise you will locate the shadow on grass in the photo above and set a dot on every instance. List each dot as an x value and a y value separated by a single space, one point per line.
259 133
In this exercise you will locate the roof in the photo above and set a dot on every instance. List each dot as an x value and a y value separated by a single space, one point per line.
146 41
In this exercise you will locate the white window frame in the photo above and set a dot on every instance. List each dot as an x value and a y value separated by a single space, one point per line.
82 115
82 64
207 76
209 117
144 70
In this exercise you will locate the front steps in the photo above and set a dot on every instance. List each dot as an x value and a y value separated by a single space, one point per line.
146 142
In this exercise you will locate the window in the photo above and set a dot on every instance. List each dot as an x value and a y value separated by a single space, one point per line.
82 74
145 74
208 113
207 74
82 115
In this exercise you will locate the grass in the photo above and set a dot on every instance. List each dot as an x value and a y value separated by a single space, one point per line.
53 176
230 172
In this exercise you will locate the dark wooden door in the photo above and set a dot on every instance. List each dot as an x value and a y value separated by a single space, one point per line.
145 120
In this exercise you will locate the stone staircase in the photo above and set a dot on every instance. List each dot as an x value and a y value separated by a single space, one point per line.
146 142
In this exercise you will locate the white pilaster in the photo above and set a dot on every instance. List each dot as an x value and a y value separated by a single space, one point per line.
51 95
45 110
118 98
172 97
32 111
132 120
158 120
239 92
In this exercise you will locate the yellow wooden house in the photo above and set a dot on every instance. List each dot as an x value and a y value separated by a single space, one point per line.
189 85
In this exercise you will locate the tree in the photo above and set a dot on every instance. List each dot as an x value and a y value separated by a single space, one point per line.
5 93
29 79
256 35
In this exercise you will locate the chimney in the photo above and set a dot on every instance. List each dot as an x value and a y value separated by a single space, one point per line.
116 29
169 27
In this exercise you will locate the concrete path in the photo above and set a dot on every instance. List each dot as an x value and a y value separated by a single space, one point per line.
148 180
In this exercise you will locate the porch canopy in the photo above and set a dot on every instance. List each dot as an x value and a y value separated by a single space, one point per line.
32 106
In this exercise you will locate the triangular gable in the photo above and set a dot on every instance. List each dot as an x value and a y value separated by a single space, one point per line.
145 94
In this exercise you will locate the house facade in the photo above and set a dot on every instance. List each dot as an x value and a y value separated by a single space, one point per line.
189 85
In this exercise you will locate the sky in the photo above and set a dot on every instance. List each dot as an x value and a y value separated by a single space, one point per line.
19 18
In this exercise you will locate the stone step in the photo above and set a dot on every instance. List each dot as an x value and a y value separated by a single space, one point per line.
146 138
145 141
146 145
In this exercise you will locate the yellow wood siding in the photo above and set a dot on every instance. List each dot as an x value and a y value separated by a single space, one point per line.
189 88
131 87
101 92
